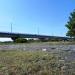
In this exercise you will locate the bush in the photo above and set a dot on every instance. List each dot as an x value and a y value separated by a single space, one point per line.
21 40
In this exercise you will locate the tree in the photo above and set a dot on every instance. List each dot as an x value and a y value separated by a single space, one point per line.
71 25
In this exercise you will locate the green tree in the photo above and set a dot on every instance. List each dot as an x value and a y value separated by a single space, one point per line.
71 25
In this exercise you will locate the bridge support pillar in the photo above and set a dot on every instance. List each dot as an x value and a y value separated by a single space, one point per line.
14 38
43 39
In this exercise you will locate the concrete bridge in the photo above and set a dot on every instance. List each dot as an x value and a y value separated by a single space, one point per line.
14 36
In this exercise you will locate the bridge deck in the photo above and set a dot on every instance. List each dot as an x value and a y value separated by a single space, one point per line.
20 35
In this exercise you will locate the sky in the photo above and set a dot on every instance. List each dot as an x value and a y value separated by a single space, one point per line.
47 17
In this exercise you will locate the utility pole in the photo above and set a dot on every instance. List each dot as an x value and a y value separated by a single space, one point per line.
11 27
38 30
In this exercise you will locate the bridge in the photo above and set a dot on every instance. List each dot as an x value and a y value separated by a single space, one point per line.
14 36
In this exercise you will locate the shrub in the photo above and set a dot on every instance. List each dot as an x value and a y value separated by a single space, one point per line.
21 40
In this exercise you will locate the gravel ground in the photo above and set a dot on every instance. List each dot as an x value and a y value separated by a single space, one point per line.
36 46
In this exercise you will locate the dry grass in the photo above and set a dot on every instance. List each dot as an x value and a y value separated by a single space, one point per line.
30 63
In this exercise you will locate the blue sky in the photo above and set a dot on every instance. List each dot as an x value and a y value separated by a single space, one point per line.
30 16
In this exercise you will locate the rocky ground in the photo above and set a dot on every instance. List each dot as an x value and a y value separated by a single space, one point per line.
37 46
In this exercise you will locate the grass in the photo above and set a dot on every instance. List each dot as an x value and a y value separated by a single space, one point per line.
30 63
48 42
